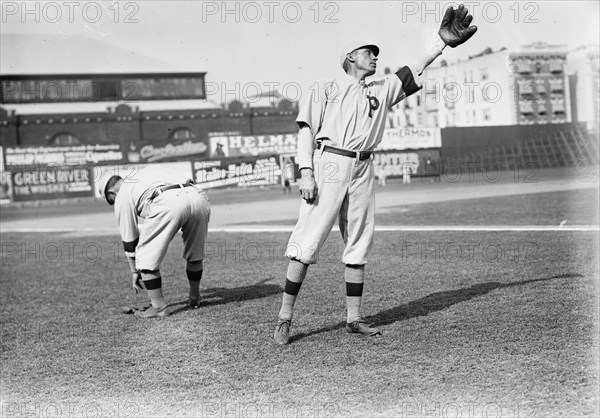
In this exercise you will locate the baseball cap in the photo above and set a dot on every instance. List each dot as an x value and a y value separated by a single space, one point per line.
354 46
103 182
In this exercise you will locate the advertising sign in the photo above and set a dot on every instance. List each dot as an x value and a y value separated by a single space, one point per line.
5 187
289 168
173 150
245 172
240 146
410 138
18 157
396 163
51 183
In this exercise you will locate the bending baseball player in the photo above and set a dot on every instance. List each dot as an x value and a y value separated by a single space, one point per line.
339 126
167 206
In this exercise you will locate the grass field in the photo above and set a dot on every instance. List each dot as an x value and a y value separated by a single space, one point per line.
474 324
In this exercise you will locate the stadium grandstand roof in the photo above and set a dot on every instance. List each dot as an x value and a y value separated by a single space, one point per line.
33 54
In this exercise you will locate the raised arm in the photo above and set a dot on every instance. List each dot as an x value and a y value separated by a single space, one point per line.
455 30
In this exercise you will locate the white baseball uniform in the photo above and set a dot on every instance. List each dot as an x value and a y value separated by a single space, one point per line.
183 208
349 115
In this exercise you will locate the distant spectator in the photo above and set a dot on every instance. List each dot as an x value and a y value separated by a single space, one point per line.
381 174
405 173
286 186
409 167
4 190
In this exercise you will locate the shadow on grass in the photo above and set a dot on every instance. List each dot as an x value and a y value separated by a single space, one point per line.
433 303
222 295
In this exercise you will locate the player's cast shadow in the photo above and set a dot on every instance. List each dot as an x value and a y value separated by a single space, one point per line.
433 303
222 295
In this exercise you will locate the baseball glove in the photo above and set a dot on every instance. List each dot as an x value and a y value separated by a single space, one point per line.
455 29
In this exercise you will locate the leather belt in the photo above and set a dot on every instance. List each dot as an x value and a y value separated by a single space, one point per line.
362 155
163 189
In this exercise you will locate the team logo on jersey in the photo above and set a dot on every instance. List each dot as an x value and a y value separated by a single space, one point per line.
373 104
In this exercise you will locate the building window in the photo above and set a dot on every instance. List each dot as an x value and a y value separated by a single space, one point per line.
64 138
556 67
525 108
542 110
541 87
485 113
556 85
523 68
528 90
182 133
558 107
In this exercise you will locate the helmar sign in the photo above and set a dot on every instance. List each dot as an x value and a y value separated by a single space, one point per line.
238 145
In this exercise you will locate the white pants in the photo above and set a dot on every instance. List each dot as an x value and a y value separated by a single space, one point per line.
184 208
345 188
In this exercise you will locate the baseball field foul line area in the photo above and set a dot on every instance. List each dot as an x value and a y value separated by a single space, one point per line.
473 322
493 314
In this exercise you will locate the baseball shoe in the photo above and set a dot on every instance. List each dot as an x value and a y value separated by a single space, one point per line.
128 310
152 312
194 303
282 332
360 327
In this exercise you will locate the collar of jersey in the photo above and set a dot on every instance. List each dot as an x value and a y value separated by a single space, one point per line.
353 80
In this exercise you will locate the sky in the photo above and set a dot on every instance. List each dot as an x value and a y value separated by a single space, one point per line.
246 47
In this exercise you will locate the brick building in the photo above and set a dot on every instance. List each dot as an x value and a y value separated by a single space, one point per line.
40 104
136 124
528 85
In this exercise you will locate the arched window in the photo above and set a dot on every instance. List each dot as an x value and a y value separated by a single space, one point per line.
182 133
64 138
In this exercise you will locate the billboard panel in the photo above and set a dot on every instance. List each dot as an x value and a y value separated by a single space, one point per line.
244 172
36 156
252 145
51 182
410 138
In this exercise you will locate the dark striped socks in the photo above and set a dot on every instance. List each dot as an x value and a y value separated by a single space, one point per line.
153 284
355 278
295 276
194 278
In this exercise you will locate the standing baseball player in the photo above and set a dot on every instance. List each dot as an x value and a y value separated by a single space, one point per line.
339 126
167 206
